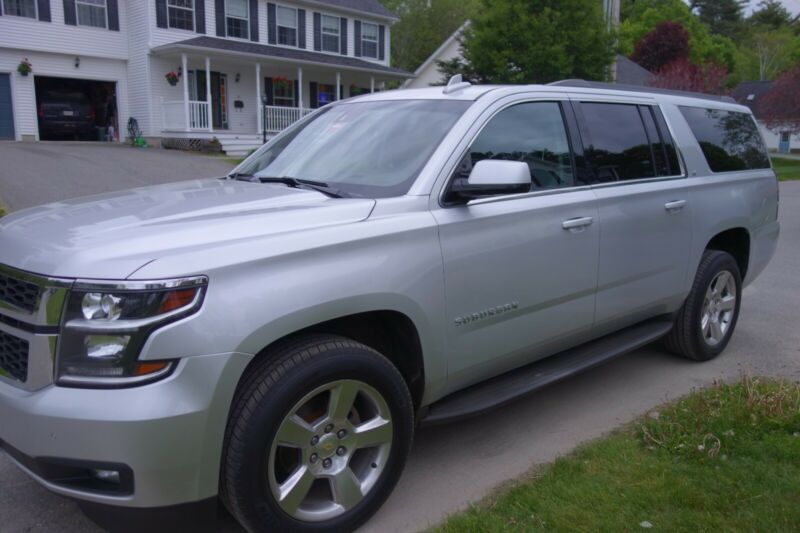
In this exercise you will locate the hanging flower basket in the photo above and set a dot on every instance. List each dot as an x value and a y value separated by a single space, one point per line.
25 67
172 78
281 82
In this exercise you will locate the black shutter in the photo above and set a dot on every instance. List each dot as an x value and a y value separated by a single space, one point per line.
381 42
296 92
313 96
44 10
268 90
254 20
272 24
357 37
301 28
317 32
113 15
69 13
219 10
161 13
343 36
200 16
341 92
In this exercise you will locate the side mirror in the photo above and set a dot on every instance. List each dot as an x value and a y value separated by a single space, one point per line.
494 177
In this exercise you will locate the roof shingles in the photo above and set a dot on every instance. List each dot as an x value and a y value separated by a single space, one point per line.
367 6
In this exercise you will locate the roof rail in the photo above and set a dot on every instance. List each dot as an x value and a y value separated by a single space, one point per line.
639 89
456 83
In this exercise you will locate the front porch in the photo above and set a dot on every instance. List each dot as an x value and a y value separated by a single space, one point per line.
241 98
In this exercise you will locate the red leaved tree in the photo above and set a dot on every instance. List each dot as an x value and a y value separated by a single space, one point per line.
683 75
665 44
780 107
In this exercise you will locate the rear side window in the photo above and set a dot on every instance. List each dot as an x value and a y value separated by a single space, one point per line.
627 142
730 141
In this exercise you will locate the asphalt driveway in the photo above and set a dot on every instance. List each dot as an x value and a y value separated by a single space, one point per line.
454 465
37 173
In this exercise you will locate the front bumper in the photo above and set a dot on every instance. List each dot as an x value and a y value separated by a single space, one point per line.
169 434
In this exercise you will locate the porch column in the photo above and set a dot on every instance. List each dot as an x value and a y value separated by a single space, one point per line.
259 111
338 86
208 94
300 88
185 75
372 84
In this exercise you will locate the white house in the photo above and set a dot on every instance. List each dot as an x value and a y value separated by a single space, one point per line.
229 54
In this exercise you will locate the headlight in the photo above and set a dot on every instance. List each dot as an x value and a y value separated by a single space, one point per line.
105 327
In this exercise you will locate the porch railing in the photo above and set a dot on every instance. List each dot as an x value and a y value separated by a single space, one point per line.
277 118
174 113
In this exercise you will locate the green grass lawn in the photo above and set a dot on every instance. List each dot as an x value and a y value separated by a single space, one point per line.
723 459
786 169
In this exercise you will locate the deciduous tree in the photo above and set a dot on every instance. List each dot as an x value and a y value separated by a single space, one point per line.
683 75
780 107
668 42
539 41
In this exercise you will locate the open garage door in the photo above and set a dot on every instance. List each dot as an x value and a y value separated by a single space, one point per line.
73 109
6 110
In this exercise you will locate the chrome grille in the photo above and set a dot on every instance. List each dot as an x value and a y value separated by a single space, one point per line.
20 294
14 356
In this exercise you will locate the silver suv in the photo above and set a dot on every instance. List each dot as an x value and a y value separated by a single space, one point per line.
272 339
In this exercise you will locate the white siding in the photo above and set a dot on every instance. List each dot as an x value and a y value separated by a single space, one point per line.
58 65
29 34
139 66
772 139
429 73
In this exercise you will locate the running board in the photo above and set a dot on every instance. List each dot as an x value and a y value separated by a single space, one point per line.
512 385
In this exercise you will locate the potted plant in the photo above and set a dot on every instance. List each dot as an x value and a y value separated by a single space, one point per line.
25 67
172 77
281 82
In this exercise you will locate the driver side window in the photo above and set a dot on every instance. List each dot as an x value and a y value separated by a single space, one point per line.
533 133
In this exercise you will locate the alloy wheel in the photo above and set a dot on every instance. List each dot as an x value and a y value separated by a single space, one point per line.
719 306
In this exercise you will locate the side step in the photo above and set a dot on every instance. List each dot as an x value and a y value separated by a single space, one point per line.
507 387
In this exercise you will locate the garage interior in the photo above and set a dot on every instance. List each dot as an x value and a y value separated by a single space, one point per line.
76 110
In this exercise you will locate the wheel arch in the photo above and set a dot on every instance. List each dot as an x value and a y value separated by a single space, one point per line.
736 242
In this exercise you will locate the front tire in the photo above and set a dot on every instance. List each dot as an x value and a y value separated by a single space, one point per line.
706 321
317 438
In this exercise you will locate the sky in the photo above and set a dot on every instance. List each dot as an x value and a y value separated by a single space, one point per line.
791 5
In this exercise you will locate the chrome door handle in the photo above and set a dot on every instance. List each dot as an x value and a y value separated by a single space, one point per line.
577 223
675 206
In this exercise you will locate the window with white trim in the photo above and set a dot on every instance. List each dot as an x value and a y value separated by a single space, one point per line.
92 13
369 40
20 8
181 14
287 25
283 92
331 28
237 18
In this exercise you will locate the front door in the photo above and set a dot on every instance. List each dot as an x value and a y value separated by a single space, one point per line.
219 95
6 109
520 283
645 216
785 143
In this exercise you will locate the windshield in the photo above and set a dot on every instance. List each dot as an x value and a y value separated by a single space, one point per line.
369 149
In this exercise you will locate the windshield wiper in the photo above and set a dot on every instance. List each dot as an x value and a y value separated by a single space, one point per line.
241 176
297 183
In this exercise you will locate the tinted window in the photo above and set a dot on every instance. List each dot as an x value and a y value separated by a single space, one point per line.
729 140
618 146
533 133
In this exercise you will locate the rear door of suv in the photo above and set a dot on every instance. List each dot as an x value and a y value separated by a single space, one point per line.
644 210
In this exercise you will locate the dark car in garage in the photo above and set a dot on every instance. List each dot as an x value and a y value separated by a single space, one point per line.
66 115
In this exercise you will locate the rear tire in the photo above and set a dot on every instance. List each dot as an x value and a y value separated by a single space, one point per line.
318 436
706 320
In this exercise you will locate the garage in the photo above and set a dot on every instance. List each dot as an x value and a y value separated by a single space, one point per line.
6 110
76 110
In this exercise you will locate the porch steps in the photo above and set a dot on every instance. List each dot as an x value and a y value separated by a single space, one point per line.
239 145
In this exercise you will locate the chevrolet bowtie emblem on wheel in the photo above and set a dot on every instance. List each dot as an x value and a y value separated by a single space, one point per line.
486 313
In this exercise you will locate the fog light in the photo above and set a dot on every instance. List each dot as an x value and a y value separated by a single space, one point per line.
106 346
108 476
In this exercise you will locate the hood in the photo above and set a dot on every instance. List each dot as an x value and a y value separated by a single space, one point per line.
110 236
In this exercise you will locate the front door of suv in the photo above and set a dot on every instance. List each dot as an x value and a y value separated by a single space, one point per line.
520 271
645 218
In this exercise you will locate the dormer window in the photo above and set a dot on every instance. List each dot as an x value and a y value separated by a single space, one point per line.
20 8
369 40
287 26
181 14
237 19
330 34
92 13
